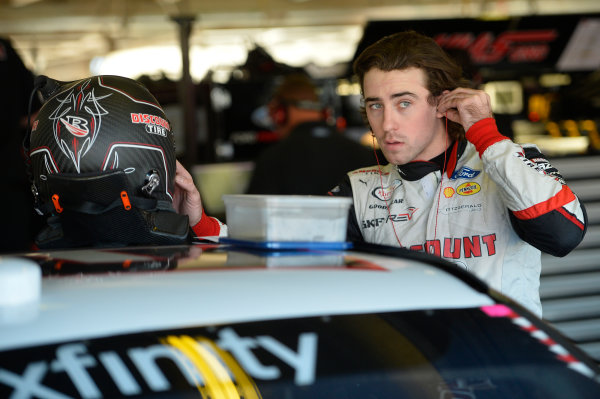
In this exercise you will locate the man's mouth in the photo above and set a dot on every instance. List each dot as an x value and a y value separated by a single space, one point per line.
393 143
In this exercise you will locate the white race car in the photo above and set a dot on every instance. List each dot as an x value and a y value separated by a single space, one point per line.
223 321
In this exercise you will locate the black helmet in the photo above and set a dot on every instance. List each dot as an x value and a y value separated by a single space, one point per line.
102 159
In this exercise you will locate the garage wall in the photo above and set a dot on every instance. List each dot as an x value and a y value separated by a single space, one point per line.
570 286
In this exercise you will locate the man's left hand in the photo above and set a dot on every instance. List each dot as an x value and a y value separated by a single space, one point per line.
465 106
186 199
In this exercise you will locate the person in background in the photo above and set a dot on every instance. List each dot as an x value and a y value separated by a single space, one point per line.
454 185
20 223
311 155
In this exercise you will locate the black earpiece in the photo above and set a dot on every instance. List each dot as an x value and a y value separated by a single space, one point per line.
46 86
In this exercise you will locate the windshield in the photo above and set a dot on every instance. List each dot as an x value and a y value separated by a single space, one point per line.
487 352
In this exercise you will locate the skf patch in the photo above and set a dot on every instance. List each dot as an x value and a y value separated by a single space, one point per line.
468 188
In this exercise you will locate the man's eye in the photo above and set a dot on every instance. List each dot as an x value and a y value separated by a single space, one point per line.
404 104
375 106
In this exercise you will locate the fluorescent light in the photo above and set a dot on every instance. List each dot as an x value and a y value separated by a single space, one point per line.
298 46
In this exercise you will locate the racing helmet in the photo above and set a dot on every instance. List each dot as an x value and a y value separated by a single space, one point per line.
102 163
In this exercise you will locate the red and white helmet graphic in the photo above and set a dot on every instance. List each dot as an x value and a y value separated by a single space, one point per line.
77 120
102 158
100 124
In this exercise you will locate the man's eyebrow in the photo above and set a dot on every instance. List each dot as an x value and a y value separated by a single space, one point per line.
368 99
404 93
395 95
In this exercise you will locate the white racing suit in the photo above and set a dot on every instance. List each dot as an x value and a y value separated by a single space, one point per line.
498 205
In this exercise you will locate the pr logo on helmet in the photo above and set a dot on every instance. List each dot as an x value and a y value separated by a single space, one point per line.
77 120
76 125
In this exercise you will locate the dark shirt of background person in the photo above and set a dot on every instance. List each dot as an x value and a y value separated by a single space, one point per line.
311 155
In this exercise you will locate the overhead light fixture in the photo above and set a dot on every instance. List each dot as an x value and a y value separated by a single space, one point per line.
22 3
294 46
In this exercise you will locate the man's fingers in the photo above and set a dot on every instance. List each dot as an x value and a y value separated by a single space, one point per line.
183 177
453 115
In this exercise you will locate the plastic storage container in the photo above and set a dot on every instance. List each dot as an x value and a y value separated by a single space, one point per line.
275 218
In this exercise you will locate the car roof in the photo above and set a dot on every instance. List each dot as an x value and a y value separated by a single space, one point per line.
95 293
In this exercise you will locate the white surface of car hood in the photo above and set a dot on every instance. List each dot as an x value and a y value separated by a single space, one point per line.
100 305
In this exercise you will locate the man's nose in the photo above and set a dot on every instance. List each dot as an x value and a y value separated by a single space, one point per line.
390 122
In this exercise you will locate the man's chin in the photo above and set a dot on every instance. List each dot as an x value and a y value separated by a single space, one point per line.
395 159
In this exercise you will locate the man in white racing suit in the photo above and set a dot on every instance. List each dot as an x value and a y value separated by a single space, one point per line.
476 198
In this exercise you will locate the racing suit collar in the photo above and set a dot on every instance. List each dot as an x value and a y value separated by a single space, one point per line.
417 169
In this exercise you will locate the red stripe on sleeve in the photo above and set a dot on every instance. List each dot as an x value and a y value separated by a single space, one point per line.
564 196
483 134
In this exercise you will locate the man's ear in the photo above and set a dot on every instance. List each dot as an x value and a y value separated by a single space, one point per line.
439 96
437 101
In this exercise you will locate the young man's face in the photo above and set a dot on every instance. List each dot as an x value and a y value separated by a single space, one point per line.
404 123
